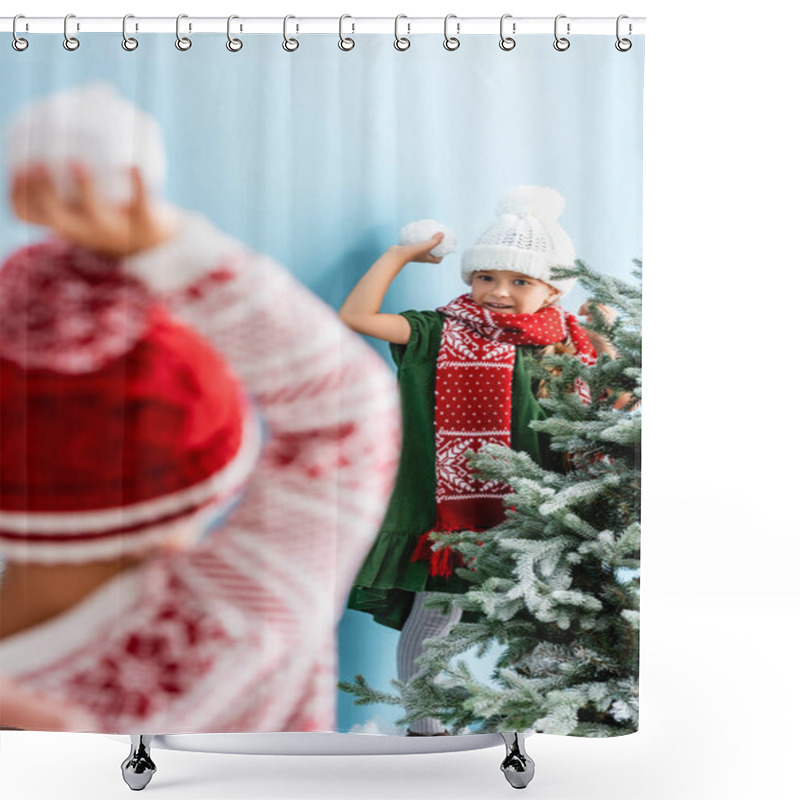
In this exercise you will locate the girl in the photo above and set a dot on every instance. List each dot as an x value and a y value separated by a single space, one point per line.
463 383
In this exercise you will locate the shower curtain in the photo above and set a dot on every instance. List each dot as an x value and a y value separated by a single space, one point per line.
320 394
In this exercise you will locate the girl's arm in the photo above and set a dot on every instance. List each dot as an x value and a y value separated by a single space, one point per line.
602 345
361 311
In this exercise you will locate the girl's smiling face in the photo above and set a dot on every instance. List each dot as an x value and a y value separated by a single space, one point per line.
509 292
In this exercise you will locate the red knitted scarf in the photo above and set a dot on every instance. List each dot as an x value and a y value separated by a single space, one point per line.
474 373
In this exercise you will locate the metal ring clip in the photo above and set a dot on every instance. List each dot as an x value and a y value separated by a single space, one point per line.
182 42
234 45
507 42
70 42
401 43
18 43
561 43
290 45
128 42
451 42
623 45
346 43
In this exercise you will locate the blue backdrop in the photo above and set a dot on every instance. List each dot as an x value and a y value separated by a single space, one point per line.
319 157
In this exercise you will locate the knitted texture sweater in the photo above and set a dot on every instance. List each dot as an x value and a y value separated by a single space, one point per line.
238 633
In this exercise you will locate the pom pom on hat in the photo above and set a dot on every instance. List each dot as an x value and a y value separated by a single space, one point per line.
525 237
423 229
539 201
117 422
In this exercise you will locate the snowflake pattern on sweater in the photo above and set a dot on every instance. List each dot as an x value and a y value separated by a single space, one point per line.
481 358
238 634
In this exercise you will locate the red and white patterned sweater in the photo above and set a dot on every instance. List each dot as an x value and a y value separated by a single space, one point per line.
238 634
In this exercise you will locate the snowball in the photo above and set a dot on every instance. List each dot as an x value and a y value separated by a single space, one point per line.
94 125
423 229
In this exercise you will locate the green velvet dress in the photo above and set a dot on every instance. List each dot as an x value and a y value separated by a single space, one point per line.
388 578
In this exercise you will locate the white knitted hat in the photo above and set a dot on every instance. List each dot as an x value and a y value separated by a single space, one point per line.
94 125
525 237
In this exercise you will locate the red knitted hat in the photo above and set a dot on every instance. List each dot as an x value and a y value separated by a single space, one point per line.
117 422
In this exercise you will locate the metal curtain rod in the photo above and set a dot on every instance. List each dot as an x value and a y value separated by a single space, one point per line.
308 25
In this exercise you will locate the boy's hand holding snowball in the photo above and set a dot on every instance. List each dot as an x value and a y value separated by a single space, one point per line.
88 219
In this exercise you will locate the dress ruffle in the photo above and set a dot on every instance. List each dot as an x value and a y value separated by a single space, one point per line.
388 579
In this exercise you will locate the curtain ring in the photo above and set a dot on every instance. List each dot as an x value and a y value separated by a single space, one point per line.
506 42
18 43
623 45
346 43
290 45
128 42
401 43
182 42
70 42
451 42
561 43
234 45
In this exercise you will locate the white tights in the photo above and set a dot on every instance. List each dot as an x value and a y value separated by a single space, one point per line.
422 623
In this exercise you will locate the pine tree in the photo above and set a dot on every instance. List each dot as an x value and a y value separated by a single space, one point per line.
556 584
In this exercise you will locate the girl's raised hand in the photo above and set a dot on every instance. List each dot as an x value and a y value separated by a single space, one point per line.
87 220
608 314
420 251
602 345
